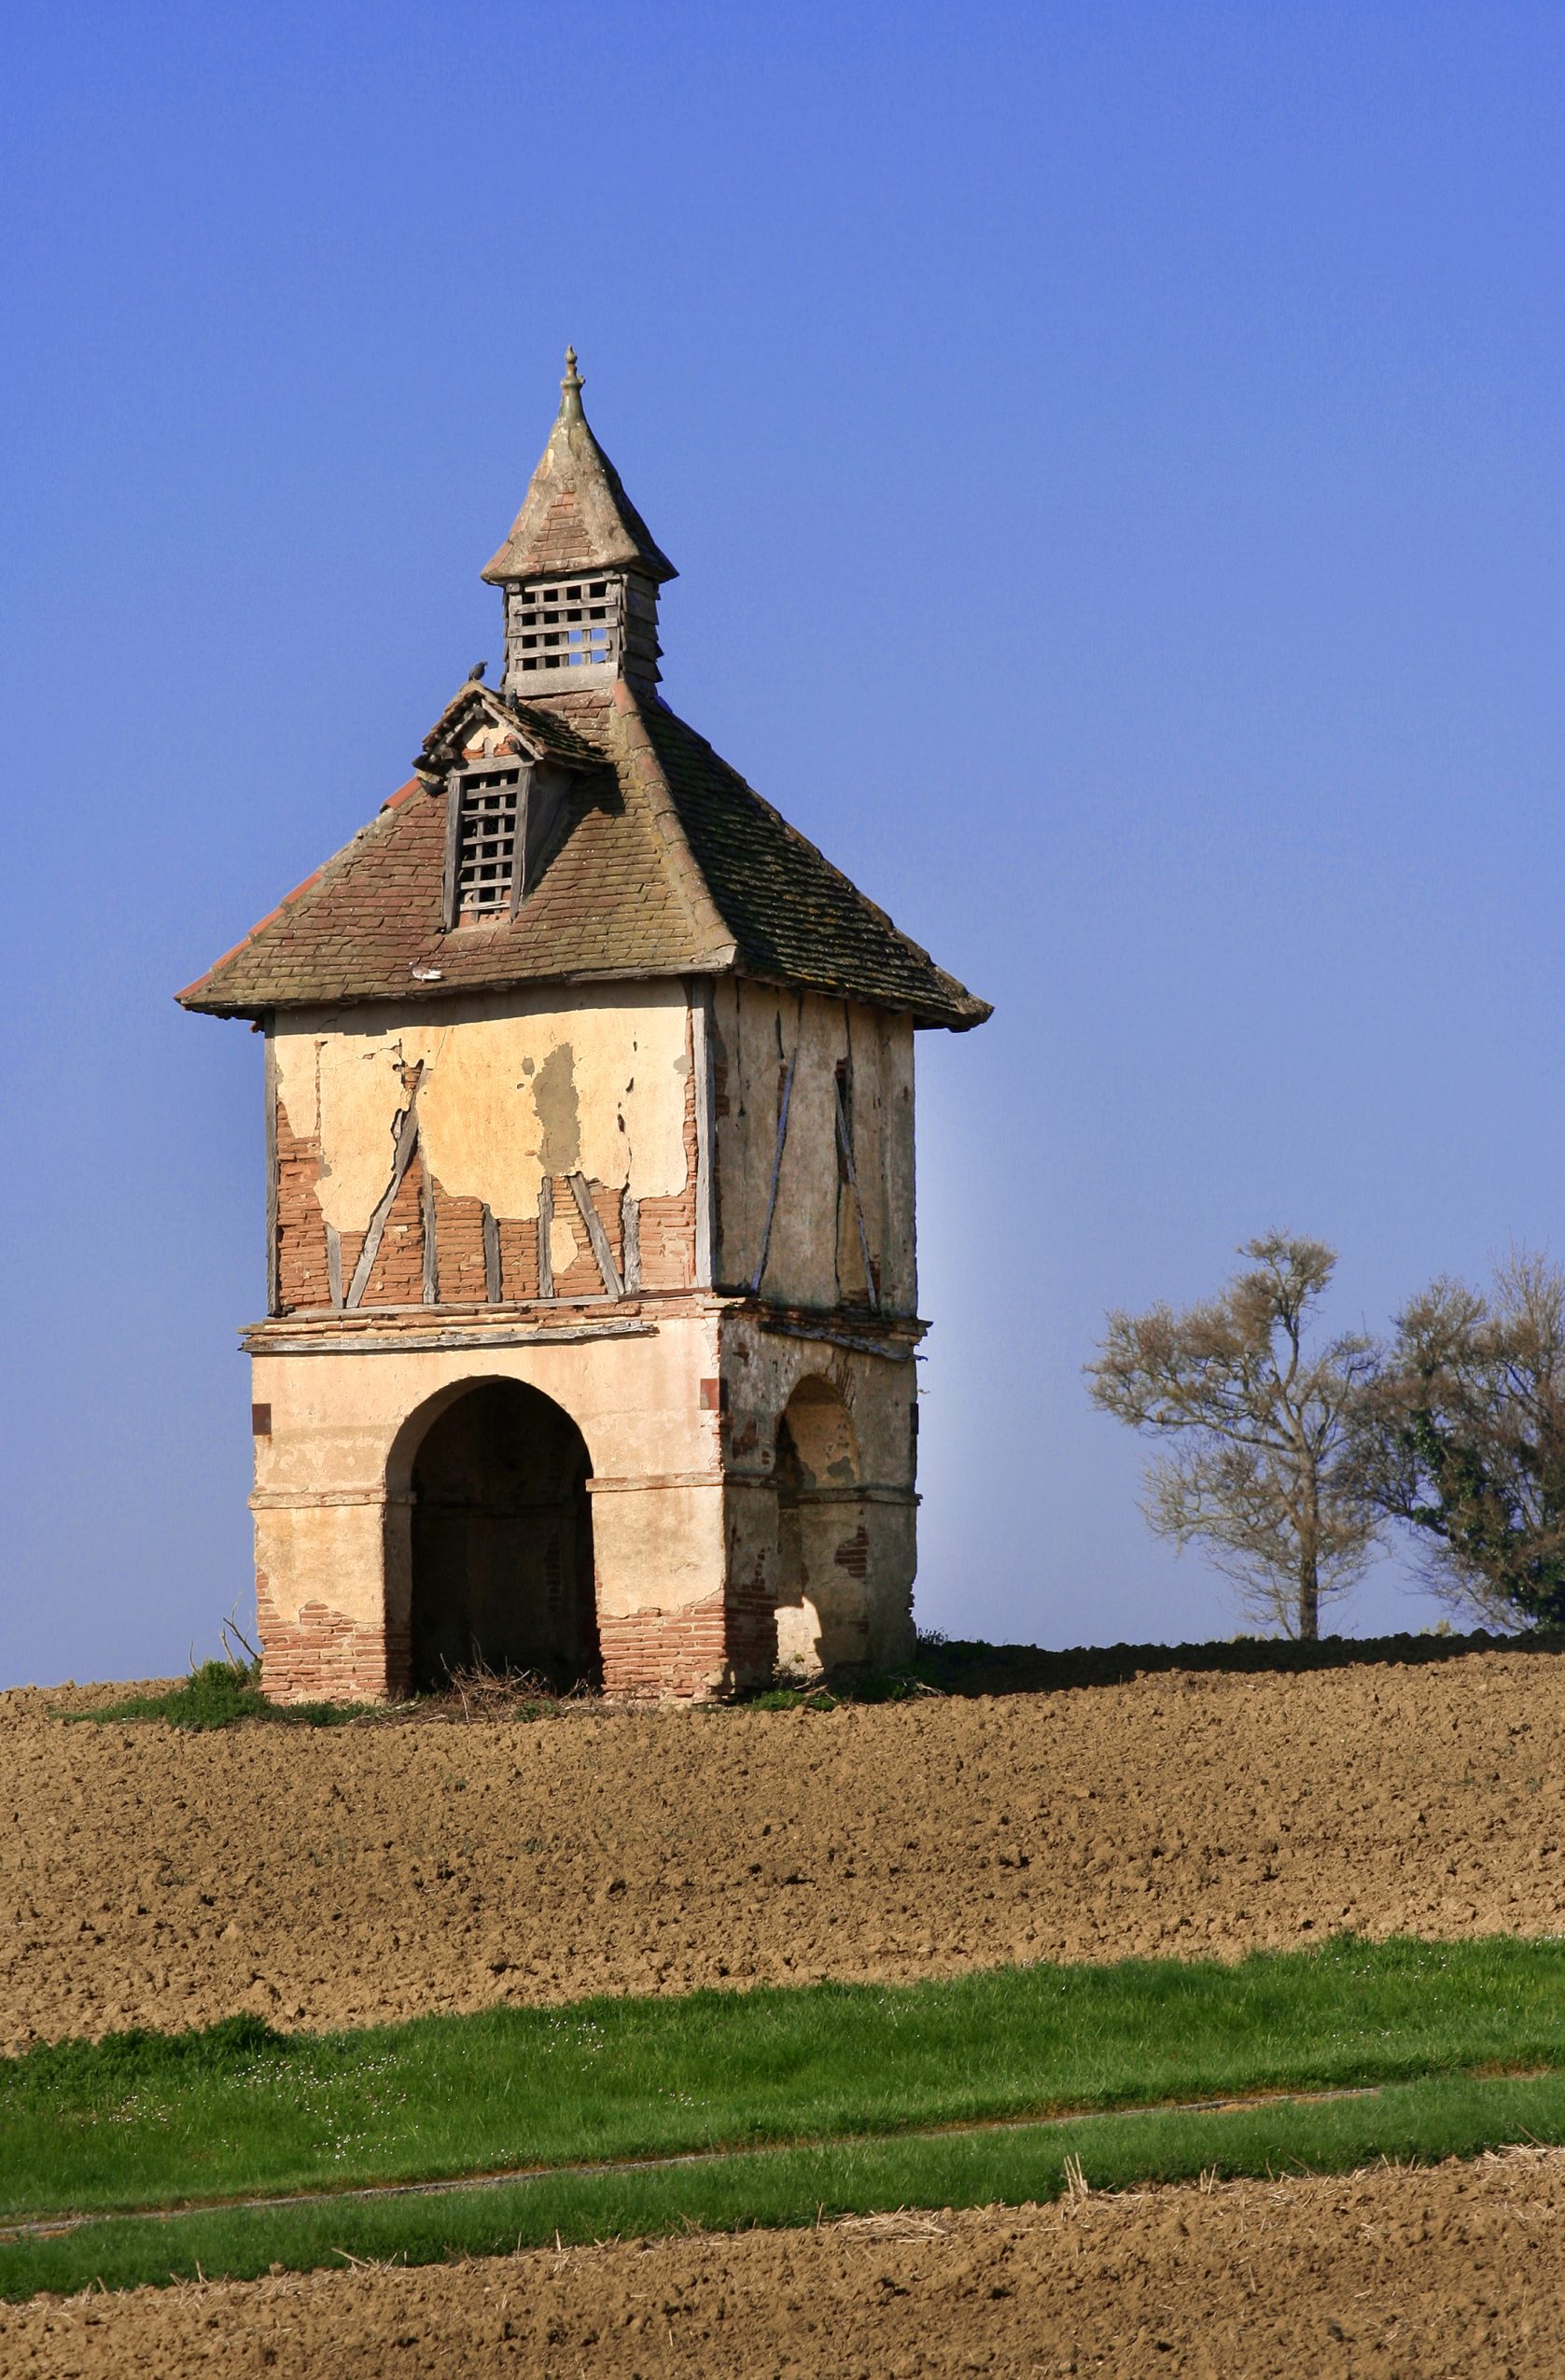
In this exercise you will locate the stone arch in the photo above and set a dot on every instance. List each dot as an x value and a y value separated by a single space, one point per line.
489 1477
822 1547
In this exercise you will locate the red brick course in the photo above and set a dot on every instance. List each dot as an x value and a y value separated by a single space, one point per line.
656 1653
581 1278
459 1247
729 1639
302 1279
667 1226
397 1275
518 1259
667 1237
322 1657
853 1554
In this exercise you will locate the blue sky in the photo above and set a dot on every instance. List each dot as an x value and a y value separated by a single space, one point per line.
1113 456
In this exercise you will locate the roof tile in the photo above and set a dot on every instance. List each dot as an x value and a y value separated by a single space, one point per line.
666 862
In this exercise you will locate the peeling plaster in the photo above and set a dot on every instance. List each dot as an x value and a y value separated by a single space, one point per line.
503 1099
559 1111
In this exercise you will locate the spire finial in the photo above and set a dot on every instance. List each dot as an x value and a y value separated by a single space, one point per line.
576 515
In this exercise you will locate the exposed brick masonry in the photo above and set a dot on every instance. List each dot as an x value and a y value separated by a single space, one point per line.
668 1224
300 1227
518 1258
667 1235
321 1656
656 1653
459 1247
853 1554
582 1278
397 1275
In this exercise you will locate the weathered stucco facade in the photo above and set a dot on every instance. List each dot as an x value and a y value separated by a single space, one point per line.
591 1307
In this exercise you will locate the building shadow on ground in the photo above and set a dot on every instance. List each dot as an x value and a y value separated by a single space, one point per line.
955 1666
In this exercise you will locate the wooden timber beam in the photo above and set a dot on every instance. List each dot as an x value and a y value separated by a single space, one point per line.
545 1225
777 1174
595 1234
407 1142
845 1141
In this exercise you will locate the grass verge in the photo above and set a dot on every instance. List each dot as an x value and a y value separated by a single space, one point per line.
1419 2123
216 1694
150 2120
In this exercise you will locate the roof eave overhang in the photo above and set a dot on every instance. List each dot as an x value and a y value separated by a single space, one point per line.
964 1020
516 564
953 1016
925 1016
257 1007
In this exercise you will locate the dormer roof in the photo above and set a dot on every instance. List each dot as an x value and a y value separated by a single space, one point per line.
663 863
575 514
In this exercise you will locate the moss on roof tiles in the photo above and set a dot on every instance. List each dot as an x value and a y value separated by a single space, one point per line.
667 863
792 913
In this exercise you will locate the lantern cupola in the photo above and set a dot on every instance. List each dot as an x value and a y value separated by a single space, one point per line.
580 568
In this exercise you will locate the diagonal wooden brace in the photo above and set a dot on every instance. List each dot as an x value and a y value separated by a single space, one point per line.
407 1142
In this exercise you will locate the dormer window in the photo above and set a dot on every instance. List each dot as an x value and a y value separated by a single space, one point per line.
562 624
503 818
487 814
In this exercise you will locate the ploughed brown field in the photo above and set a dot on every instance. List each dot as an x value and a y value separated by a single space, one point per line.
1404 2276
354 1875
373 1872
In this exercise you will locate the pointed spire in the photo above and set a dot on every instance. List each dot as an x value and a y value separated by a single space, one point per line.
575 514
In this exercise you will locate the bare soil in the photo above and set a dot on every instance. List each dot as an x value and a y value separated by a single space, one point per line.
361 1874
1406 2275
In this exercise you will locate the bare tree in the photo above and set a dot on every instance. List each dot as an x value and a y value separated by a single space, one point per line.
1258 1429
1462 1437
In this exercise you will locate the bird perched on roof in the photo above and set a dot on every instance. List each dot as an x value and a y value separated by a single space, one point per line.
476 672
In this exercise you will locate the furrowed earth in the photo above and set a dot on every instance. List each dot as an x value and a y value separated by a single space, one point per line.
1460 2269
355 1875
376 1871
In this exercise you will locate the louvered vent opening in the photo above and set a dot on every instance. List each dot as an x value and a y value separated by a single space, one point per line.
486 841
568 625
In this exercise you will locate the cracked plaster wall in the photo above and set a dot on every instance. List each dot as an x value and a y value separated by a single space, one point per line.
514 1088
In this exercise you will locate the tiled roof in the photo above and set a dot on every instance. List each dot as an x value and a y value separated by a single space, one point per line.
575 514
794 918
665 863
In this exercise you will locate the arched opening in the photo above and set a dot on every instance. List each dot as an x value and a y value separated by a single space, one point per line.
502 1540
822 1613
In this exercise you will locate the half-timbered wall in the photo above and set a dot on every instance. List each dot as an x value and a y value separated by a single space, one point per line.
484 1152
813 1140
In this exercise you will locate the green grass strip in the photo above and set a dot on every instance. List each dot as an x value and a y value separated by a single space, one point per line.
1412 2122
218 1694
144 2120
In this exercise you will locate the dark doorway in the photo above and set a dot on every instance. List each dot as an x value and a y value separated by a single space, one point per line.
502 1540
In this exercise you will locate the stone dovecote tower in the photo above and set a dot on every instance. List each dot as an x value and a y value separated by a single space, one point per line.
591 1303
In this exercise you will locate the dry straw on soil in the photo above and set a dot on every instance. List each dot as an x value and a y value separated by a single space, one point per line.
1406 2275
367 1873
